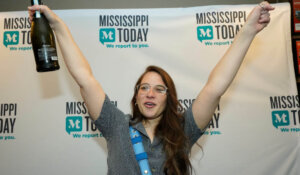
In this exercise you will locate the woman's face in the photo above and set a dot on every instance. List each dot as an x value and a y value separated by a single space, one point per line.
151 97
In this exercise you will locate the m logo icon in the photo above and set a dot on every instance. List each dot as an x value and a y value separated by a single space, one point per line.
280 118
11 38
107 35
73 124
205 33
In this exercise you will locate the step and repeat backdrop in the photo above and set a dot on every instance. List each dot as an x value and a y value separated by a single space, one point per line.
45 126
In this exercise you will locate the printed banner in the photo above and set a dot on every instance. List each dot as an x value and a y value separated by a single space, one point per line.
44 123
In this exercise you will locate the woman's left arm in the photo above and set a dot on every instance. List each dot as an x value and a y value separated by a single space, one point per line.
224 72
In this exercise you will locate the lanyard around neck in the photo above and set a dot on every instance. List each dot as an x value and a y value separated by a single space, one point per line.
140 154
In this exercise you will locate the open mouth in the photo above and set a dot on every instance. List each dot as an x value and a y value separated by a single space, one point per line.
149 104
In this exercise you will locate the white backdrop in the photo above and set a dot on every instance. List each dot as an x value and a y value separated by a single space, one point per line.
44 128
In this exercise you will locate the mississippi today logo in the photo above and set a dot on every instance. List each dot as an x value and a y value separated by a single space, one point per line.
8 118
205 33
107 35
286 113
11 38
17 34
73 124
78 123
280 118
124 31
219 28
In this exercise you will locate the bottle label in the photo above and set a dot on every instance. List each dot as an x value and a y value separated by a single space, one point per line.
47 53
37 13
35 2
54 58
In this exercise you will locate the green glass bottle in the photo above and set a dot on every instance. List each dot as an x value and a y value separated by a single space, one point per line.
43 42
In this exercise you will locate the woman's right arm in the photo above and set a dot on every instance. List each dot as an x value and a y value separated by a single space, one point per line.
91 91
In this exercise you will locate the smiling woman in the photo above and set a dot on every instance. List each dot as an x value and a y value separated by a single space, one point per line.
168 132
153 99
155 104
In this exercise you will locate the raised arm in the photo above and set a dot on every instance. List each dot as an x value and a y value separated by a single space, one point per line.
224 72
78 66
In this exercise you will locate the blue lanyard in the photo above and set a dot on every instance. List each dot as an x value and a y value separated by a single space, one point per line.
140 154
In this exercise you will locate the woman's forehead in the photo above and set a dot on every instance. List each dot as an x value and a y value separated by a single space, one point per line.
152 78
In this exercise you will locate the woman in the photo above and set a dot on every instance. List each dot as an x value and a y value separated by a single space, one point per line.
167 135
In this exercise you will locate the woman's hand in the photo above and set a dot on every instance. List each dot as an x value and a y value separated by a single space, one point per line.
49 14
259 17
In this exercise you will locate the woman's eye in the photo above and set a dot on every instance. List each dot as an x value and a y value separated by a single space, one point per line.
160 89
144 87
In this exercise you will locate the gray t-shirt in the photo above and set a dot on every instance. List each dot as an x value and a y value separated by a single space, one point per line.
114 125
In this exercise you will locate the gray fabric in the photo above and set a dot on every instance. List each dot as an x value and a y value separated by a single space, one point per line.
114 125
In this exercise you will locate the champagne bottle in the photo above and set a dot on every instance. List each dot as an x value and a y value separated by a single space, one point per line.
43 42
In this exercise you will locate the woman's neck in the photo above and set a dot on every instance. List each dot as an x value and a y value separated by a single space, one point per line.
150 126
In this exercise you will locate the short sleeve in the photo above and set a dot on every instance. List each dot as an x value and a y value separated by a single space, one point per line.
110 118
190 127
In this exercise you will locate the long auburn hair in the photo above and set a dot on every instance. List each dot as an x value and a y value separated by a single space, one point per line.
170 127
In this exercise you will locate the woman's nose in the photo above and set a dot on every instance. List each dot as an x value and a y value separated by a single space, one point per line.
150 93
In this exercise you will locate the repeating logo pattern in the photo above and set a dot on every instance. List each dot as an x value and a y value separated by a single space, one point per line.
8 118
78 123
124 31
286 113
218 28
16 35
